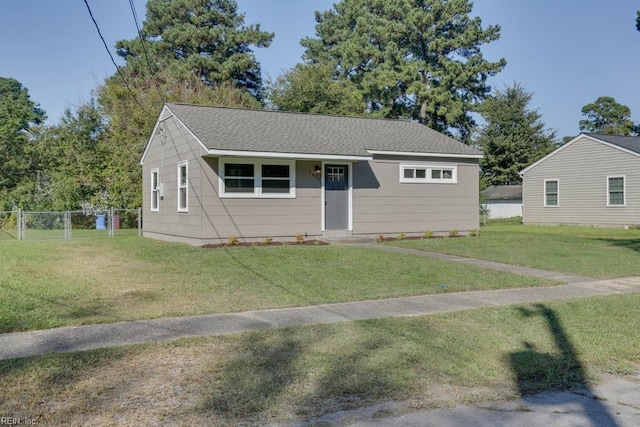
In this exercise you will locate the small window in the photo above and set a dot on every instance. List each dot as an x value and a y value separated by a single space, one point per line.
615 191
183 179
551 192
155 193
427 174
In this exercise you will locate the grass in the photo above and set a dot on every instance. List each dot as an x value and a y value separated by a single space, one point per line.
47 284
282 375
588 251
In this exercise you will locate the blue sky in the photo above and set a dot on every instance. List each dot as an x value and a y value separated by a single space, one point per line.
567 52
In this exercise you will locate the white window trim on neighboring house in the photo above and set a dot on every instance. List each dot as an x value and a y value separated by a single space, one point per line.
427 174
257 177
184 186
624 191
544 195
155 190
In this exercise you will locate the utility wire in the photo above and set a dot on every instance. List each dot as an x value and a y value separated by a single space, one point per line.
113 60
144 49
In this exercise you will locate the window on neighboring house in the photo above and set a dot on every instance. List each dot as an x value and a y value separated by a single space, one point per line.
257 178
615 191
155 193
427 174
551 192
183 191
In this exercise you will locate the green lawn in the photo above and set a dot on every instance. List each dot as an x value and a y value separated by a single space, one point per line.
45 284
277 376
588 251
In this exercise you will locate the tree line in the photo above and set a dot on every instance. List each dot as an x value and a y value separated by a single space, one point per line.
415 60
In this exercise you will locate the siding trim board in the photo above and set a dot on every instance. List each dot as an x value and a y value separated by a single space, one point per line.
424 154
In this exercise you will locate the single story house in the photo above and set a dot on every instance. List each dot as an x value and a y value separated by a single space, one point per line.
210 173
593 180
502 201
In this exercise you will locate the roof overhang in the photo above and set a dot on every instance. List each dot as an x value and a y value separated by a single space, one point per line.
212 152
419 154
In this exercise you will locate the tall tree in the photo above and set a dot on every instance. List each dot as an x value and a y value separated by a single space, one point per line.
513 137
417 59
202 38
18 114
313 88
131 112
606 116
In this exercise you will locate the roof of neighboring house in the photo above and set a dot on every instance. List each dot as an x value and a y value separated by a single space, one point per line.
503 192
245 130
629 144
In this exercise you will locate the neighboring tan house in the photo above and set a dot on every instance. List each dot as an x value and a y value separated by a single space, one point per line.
592 179
502 201
210 173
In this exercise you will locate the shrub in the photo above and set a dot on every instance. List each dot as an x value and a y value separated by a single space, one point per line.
453 233
268 240
428 234
299 238
474 233
402 236
233 240
379 238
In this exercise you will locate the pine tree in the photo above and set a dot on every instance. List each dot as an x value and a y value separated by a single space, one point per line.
513 137
202 38
605 115
417 59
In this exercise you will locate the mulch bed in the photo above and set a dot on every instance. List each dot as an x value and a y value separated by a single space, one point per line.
274 243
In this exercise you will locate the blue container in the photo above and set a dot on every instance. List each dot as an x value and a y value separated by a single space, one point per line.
101 223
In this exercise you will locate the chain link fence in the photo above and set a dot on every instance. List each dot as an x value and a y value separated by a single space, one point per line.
28 225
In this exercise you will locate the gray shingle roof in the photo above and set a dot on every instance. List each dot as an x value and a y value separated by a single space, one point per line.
503 192
631 143
222 128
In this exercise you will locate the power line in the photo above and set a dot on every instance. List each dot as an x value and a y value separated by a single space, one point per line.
144 49
113 60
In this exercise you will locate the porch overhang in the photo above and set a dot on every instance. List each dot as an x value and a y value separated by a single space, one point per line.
279 155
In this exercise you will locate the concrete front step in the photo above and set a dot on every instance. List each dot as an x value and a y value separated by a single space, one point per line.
341 240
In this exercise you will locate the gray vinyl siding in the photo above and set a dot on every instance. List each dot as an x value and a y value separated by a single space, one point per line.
582 170
384 205
257 218
178 146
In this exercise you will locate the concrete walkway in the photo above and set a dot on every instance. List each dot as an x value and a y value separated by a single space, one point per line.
70 339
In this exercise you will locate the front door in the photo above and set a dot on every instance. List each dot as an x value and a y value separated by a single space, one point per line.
336 197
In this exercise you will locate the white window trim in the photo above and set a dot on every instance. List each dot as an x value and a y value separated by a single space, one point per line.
624 191
257 178
428 179
184 164
544 193
155 190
